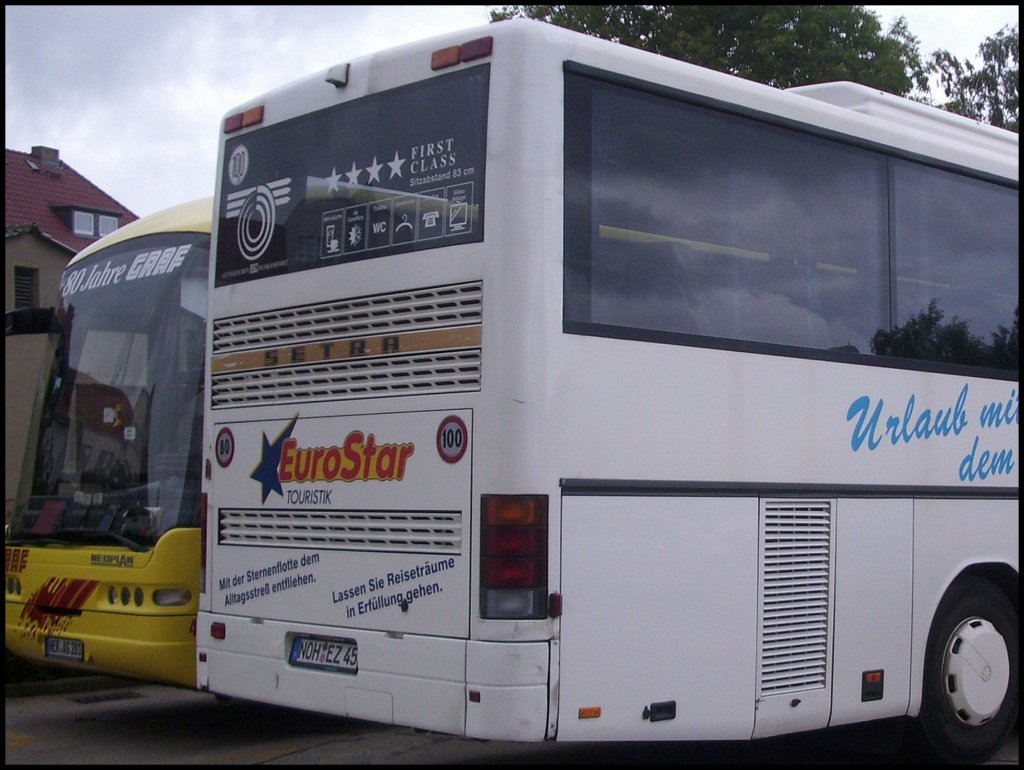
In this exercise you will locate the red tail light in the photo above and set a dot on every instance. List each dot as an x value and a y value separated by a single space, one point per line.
514 572
513 556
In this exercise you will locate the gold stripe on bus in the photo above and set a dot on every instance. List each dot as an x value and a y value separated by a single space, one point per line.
339 350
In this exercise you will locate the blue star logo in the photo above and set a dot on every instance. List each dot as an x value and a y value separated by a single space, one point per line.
266 472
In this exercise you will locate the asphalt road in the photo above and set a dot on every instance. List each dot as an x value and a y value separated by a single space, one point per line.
108 721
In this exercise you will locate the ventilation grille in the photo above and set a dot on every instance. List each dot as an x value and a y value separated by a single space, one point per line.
435 308
419 531
796 568
423 341
387 375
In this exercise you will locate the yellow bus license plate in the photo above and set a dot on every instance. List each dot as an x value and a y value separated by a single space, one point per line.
59 648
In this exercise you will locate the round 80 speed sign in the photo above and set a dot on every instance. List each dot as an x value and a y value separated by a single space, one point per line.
224 447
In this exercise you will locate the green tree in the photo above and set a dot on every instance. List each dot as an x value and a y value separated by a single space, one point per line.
780 45
927 338
991 93
1006 344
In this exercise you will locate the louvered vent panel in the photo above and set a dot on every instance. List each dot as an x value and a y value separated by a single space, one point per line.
796 547
434 308
412 531
449 371
438 365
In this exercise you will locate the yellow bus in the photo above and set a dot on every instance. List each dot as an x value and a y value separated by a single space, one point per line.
102 553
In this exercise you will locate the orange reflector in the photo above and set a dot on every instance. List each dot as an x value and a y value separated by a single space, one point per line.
446 57
872 685
513 510
590 712
252 116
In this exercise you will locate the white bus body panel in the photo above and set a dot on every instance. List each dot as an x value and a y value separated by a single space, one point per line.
416 514
622 649
874 573
507 690
759 406
624 645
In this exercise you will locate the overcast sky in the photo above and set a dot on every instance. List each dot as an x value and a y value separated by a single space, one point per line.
133 96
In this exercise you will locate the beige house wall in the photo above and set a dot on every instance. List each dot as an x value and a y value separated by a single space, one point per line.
25 355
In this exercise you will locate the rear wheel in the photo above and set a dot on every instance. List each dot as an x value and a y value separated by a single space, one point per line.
970 690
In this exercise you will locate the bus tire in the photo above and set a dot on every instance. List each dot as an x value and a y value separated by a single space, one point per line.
970 692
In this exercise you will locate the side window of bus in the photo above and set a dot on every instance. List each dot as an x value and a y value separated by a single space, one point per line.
700 222
956 251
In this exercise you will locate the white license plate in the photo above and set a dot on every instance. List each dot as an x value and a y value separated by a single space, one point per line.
59 648
326 654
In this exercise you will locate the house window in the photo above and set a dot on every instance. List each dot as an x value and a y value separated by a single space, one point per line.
26 287
83 223
107 224
92 225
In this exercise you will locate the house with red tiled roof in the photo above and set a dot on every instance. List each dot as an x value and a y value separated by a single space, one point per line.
44 192
51 212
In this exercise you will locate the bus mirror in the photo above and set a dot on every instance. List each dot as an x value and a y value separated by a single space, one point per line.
30 320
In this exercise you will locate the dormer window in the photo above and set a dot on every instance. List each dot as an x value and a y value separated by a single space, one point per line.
83 223
107 224
92 225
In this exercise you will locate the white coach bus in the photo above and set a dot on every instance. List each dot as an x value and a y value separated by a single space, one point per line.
559 390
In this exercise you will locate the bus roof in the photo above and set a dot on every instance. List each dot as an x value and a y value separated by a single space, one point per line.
896 109
840 109
195 216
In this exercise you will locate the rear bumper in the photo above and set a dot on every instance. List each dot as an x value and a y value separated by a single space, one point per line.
489 690
155 648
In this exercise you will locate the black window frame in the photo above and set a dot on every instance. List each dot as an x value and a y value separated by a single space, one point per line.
578 222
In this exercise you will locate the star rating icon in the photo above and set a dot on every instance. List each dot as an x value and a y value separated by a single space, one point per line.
332 180
396 165
373 171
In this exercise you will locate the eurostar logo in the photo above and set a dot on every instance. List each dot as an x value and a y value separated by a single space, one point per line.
266 472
